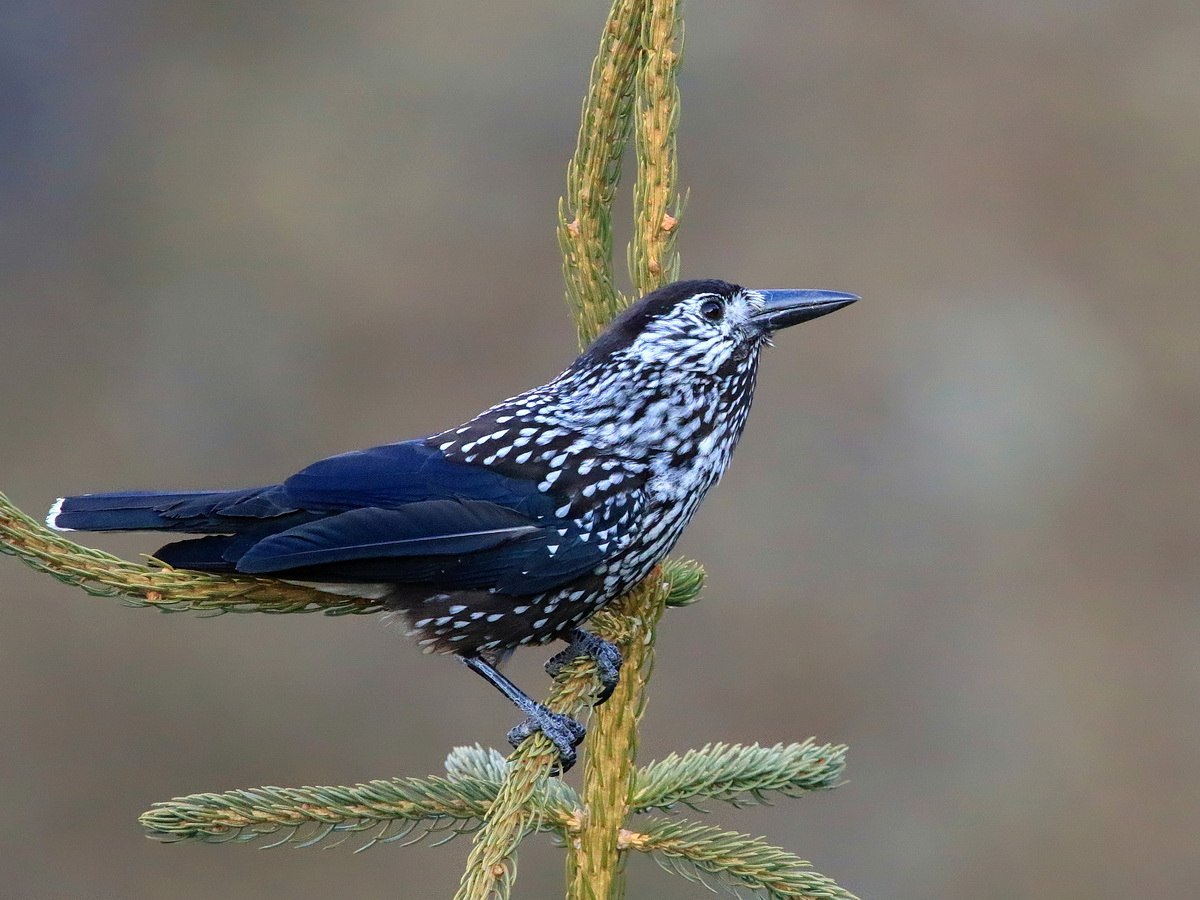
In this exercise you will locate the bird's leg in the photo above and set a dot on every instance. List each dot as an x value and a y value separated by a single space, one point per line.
605 653
563 731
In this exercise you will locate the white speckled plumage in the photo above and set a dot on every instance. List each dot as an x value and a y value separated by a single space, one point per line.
631 437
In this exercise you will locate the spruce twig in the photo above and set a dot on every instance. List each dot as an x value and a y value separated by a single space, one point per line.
739 774
387 809
657 207
693 850
170 590
594 868
585 239
308 815
585 215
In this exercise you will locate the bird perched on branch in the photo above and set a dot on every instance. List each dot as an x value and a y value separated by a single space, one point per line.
515 527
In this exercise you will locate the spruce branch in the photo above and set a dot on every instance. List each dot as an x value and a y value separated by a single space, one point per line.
595 867
387 809
488 765
653 261
740 774
585 214
693 850
684 579
585 239
170 590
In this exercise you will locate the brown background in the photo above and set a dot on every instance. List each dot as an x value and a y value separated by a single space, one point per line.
960 534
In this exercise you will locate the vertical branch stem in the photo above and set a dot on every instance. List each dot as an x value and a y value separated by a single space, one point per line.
585 215
585 239
657 208
637 56
595 869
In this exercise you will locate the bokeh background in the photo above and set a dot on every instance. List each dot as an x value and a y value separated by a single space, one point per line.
960 534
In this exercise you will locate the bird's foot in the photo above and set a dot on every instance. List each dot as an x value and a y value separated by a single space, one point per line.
563 731
605 654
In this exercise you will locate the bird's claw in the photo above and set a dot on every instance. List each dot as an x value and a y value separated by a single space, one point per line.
608 670
606 655
559 660
564 733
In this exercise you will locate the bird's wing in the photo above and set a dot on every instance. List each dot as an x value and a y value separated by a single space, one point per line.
393 475
426 528
452 544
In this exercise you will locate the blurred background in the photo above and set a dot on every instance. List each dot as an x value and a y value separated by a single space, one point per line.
961 531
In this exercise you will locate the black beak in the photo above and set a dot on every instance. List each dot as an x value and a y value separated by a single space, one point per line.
784 308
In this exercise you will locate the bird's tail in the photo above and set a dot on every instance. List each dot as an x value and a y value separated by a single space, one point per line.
144 511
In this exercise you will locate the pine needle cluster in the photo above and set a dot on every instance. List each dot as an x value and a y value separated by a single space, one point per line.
633 90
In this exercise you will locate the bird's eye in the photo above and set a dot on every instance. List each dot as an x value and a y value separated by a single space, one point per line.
713 310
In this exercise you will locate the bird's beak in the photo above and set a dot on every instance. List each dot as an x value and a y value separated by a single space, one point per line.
784 308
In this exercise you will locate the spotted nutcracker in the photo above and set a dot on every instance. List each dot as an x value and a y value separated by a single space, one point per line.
515 527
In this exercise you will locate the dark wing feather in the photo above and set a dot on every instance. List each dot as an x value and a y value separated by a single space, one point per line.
518 568
253 503
430 528
198 512
540 570
206 554
393 475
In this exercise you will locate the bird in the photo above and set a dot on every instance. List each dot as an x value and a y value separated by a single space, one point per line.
515 527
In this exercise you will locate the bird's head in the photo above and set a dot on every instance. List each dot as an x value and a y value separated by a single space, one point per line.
707 326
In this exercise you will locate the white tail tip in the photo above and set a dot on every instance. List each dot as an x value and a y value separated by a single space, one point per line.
52 516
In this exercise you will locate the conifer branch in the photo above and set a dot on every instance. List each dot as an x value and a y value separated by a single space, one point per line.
684 579
653 261
170 590
387 809
586 242
489 766
585 215
594 868
739 774
693 850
